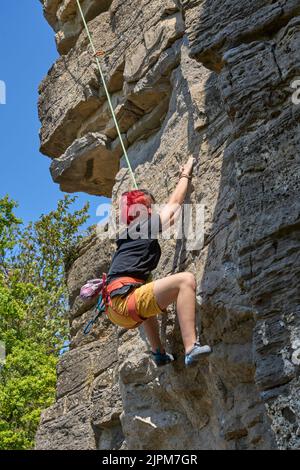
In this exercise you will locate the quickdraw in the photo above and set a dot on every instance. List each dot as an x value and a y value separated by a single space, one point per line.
89 291
100 308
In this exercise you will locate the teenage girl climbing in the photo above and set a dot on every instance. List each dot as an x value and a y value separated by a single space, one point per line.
128 295
134 298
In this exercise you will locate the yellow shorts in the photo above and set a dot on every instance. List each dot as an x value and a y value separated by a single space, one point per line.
146 305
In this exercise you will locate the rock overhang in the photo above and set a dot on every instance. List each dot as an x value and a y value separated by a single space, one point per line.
73 103
64 17
89 166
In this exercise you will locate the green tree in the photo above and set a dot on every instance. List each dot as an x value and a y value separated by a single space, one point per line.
33 306
8 228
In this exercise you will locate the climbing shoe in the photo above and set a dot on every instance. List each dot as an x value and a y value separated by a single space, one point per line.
196 353
162 359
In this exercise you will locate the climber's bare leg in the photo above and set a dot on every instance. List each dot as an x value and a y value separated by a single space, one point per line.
180 288
151 328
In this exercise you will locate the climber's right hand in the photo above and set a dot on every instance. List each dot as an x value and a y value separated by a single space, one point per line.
188 167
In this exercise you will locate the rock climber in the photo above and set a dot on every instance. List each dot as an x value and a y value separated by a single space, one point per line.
135 298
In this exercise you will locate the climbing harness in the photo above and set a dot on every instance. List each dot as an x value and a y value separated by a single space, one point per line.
99 286
98 54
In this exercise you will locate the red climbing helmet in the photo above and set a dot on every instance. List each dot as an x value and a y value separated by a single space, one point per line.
131 202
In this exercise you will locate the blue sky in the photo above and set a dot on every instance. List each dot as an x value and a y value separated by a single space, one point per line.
27 51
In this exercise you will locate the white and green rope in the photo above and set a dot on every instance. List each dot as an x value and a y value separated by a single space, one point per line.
107 94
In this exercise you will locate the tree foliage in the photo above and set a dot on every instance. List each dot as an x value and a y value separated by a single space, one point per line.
33 320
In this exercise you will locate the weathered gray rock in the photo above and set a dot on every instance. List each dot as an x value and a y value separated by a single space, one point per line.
64 17
88 165
209 79
138 80
215 27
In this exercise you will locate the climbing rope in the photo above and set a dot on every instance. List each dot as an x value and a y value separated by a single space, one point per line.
97 54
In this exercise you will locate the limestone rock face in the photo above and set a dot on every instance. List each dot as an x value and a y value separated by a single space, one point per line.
64 17
91 156
209 79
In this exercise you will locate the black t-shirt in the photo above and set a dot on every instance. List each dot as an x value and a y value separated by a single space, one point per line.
138 252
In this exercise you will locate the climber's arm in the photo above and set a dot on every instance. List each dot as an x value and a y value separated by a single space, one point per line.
172 209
